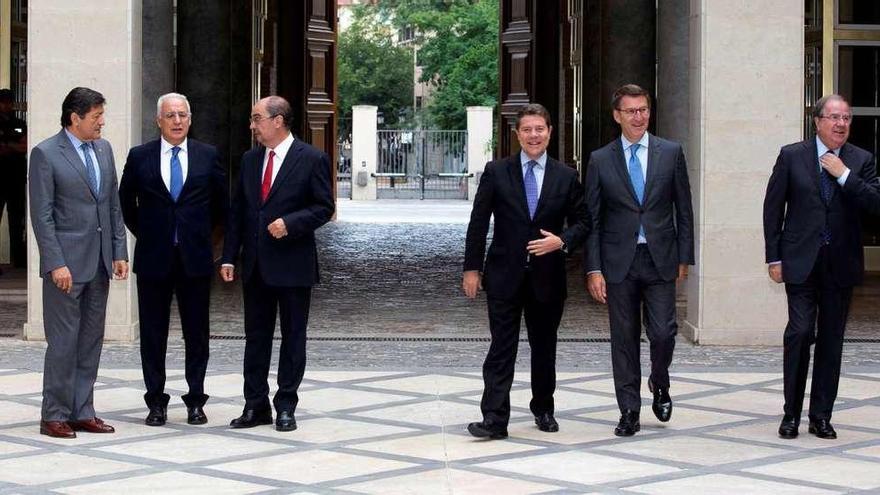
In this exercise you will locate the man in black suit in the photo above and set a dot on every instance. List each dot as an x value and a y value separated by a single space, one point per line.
283 196
531 197
173 192
641 241
813 240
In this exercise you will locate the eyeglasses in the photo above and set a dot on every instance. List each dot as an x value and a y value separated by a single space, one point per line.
179 115
836 117
632 112
257 118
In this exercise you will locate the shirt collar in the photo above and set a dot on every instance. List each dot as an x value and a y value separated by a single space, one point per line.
541 161
75 141
821 149
283 147
166 146
627 145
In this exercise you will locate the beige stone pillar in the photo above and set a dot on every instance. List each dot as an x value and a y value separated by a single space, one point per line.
746 85
363 152
97 44
479 147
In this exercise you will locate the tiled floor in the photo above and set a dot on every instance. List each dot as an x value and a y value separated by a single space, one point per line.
403 432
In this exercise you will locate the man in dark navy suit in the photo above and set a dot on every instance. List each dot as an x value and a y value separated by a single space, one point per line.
813 240
640 243
173 192
283 196
538 206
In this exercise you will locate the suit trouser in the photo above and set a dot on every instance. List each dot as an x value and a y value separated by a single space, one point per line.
818 299
154 304
542 322
74 325
642 287
261 304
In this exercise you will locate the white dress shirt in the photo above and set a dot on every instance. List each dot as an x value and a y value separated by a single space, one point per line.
280 152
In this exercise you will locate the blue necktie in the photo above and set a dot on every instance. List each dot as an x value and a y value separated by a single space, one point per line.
827 189
90 168
637 179
176 182
531 184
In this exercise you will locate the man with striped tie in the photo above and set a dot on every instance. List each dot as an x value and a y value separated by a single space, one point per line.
173 193
641 241
539 215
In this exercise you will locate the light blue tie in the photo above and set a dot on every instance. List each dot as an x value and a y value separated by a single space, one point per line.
176 184
531 184
90 168
637 179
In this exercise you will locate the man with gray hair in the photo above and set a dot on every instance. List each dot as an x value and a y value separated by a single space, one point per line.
813 240
173 193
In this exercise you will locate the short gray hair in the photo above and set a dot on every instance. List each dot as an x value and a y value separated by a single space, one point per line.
170 96
819 107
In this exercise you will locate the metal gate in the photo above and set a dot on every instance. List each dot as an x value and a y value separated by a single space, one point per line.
343 168
422 164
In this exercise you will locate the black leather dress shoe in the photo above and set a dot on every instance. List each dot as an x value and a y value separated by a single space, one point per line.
547 423
252 417
157 416
788 428
822 428
628 424
484 429
662 405
285 421
196 415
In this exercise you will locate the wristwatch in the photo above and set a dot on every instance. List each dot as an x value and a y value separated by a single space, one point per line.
564 247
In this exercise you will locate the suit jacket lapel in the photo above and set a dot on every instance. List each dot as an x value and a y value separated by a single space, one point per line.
652 165
73 159
516 178
550 175
287 167
192 163
811 163
622 169
154 170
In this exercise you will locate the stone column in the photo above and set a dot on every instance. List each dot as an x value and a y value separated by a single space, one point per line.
479 145
97 44
746 102
363 151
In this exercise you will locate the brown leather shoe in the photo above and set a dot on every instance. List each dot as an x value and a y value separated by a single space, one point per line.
94 425
57 429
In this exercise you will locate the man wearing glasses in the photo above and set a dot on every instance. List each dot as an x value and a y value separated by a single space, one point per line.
284 194
173 193
813 240
641 241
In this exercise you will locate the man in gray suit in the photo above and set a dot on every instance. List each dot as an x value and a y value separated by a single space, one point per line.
641 240
78 225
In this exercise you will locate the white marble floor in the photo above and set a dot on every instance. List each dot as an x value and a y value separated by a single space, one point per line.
400 432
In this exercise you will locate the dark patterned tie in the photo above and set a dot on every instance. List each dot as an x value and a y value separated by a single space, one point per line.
531 184
826 183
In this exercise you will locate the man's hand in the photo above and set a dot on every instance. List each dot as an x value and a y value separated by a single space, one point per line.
548 244
227 273
62 279
277 229
120 269
682 272
775 272
832 164
596 287
471 282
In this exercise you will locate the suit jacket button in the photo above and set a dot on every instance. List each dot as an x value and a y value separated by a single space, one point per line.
99 229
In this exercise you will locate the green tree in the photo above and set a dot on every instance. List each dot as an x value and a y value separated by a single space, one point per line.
372 70
459 53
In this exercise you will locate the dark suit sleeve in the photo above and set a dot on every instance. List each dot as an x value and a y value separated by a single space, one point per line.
232 238
774 209
592 253
320 209
577 219
128 193
864 186
478 227
219 194
684 211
